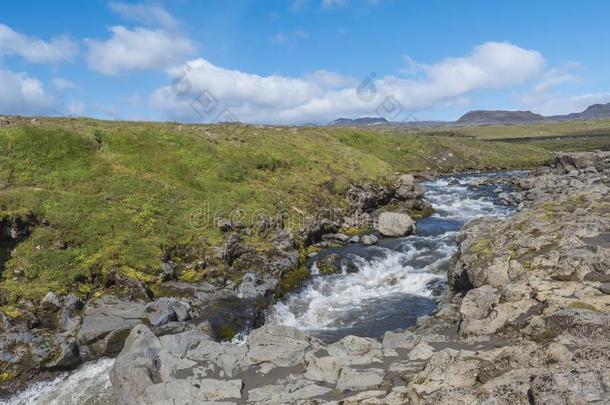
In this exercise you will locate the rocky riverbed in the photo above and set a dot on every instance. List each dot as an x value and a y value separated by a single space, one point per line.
526 320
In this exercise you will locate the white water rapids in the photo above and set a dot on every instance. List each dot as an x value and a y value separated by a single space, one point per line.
395 283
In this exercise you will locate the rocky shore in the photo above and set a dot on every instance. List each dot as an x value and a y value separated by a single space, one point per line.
526 321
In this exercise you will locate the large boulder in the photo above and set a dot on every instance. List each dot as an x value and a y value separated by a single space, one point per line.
107 323
395 224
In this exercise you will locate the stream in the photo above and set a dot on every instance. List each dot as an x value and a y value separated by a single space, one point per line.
397 281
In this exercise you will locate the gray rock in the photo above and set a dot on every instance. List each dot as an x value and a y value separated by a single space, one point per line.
422 351
395 224
325 369
289 392
605 288
352 379
135 370
253 285
369 239
354 239
50 302
107 323
281 345
400 340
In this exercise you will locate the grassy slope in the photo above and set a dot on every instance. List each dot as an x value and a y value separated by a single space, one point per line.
117 195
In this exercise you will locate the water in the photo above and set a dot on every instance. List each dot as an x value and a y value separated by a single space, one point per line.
397 279
89 385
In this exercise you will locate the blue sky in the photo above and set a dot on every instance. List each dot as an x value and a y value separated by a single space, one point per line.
298 61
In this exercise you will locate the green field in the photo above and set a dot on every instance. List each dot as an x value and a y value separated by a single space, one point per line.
118 195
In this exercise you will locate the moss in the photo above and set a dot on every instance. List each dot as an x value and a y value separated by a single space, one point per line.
330 264
6 376
482 248
192 276
291 281
226 332
11 311
426 212
354 231
584 305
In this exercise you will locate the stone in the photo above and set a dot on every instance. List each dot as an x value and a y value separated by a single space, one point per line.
230 358
253 285
354 239
395 224
325 369
400 340
369 239
281 345
288 392
422 351
605 288
356 350
107 323
352 379
134 369
50 302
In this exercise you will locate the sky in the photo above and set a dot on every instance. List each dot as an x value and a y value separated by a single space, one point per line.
301 61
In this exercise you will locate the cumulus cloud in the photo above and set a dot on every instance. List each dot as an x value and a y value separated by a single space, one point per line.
58 49
22 94
146 14
323 96
138 49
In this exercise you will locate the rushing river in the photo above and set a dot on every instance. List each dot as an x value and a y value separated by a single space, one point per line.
397 279
396 282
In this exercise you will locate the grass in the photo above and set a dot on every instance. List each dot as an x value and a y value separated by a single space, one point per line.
120 195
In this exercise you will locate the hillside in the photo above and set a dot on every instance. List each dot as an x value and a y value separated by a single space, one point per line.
113 196
499 117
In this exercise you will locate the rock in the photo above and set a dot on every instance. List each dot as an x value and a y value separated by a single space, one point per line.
287 392
395 224
134 370
281 345
168 268
369 239
50 302
228 357
325 369
352 379
67 357
354 239
107 323
356 350
605 288
330 264
253 285
400 340
422 351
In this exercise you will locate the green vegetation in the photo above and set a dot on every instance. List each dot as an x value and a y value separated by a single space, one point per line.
122 196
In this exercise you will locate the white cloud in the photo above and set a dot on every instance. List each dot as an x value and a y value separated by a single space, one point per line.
138 49
62 84
75 108
59 49
565 105
22 94
324 96
146 14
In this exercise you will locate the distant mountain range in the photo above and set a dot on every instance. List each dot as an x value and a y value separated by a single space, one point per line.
485 117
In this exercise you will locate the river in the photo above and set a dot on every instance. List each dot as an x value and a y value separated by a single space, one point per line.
397 281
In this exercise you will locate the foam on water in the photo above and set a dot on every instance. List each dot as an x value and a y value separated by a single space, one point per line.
396 279
89 385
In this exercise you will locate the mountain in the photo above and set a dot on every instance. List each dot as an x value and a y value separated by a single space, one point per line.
485 117
593 112
499 117
358 122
